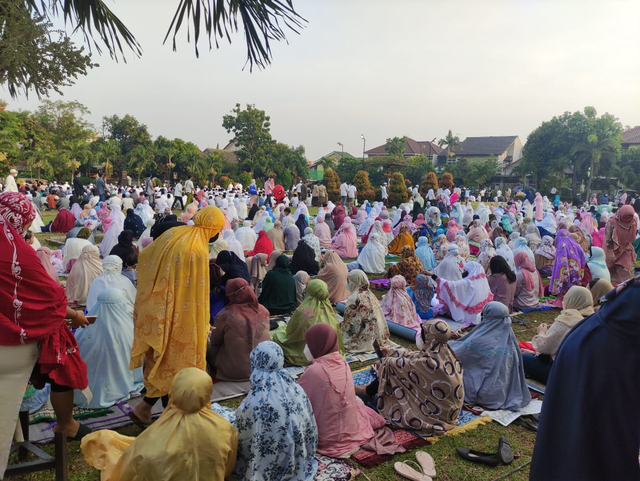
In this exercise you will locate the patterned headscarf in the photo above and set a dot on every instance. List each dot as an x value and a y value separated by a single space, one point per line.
17 210
568 267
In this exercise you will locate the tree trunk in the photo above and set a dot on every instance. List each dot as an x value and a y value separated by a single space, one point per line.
595 157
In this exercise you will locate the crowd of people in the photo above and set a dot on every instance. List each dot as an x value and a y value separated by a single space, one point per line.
245 281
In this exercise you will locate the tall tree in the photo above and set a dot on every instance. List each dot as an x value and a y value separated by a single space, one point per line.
142 159
452 142
107 152
251 130
395 147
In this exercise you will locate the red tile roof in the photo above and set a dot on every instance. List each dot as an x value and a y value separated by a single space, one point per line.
631 136
411 147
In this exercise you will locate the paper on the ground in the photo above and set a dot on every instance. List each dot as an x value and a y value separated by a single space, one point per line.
505 417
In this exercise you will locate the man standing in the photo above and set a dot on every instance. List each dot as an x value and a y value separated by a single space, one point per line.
11 185
314 195
322 194
188 188
101 188
344 189
383 193
303 193
78 188
150 191
177 193
353 193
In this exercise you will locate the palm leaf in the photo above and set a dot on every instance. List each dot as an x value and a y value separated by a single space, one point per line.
261 21
89 17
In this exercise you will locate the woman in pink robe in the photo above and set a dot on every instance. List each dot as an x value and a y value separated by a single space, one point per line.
539 210
344 422
345 242
322 231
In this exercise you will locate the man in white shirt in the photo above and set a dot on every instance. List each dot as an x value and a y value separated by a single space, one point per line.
177 194
383 192
353 192
415 190
188 189
344 189
10 183
431 195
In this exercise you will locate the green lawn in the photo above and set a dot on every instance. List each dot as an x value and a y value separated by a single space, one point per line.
448 464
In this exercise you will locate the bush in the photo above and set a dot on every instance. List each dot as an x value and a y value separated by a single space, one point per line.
397 189
430 181
332 182
365 190
244 179
446 181
225 180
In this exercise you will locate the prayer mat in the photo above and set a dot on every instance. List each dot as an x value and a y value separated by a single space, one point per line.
541 307
536 386
466 422
380 284
331 469
48 415
117 416
406 439
364 376
228 390
453 325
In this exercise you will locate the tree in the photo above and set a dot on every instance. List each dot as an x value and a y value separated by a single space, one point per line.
142 159
365 190
446 181
349 166
395 147
107 153
328 163
251 130
263 22
13 135
33 55
417 167
452 142
430 181
397 189
603 142
72 155
332 181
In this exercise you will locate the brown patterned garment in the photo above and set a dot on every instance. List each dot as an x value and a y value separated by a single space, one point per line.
408 267
422 390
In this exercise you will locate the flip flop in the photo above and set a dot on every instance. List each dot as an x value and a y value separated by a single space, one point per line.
406 471
83 430
427 463
138 422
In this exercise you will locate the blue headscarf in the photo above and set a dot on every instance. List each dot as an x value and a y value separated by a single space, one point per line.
425 254
277 432
493 368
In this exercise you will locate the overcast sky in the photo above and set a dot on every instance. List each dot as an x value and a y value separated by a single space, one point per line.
382 69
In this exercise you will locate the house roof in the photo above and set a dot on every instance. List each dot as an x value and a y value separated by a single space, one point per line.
228 155
333 154
411 147
485 145
631 136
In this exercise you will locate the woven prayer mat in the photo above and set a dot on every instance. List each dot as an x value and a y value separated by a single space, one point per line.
454 325
363 376
228 390
406 439
331 469
466 422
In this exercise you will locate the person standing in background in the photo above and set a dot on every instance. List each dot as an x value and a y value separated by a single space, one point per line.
314 195
384 195
322 195
10 183
353 193
101 188
177 193
78 188
344 190
188 188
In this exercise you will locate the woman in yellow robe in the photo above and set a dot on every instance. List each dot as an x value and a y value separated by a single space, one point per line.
189 441
171 318
402 239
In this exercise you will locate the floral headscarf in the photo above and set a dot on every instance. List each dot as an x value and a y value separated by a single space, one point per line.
17 210
568 267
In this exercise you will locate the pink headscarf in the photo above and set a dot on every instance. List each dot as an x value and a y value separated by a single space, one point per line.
345 242
528 269
398 306
322 231
44 254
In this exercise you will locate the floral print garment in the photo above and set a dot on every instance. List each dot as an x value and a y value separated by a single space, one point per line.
364 322
277 432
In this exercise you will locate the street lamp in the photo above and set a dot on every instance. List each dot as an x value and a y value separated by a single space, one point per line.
364 147
341 155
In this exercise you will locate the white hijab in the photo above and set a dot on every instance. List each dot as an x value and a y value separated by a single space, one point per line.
112 277
372 257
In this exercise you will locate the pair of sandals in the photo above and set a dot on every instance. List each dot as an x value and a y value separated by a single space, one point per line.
426 467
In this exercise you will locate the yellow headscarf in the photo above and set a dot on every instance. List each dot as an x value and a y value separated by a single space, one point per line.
189 441
171 315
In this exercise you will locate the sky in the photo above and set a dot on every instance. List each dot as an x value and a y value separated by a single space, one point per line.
379 69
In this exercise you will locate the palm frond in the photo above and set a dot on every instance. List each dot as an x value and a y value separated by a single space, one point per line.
261 21
89 17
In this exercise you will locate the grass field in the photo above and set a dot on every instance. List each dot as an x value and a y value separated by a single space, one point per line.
448 464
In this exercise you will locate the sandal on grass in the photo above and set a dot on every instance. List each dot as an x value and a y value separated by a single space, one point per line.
83 430
404 470
427 463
